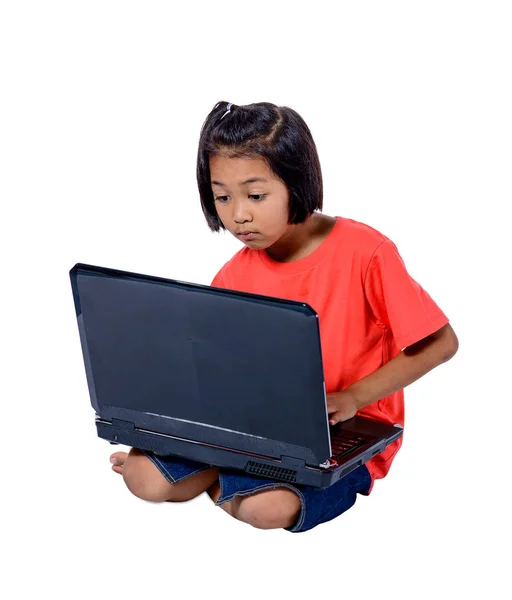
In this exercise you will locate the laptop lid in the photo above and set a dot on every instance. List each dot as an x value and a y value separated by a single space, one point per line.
217 366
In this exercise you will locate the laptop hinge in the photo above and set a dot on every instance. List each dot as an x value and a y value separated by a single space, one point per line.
293 462
120 424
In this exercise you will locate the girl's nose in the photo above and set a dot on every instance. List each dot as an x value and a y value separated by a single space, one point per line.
241 212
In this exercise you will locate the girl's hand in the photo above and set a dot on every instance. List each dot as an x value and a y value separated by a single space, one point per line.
341 406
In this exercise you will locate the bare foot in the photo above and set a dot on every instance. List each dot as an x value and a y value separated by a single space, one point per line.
117 459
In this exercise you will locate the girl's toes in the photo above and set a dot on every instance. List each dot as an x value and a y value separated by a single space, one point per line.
117 459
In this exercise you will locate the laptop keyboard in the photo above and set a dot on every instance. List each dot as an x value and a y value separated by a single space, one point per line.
344 443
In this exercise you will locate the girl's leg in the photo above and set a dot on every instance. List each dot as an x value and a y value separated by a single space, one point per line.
270 509
145 481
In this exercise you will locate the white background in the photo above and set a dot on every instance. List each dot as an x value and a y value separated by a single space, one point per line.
101 107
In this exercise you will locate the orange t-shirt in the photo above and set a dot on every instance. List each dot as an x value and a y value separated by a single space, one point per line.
369 308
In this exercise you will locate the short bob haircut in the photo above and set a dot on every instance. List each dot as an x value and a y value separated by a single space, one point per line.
276 134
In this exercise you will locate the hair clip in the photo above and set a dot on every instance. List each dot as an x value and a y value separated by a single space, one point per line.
228 110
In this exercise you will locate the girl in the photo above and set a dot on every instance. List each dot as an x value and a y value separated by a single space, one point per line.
259 177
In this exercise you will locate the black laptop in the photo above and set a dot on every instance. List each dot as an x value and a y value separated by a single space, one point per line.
227 378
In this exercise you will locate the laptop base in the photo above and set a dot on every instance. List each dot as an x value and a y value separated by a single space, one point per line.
288 469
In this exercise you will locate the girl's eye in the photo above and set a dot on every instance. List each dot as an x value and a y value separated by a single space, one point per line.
255 197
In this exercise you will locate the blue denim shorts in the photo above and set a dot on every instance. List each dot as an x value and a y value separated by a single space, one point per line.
317 505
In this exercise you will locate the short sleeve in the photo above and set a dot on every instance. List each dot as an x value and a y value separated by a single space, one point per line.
397 301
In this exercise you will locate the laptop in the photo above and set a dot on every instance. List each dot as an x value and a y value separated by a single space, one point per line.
227 378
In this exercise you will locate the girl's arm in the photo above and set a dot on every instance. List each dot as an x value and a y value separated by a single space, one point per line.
405 368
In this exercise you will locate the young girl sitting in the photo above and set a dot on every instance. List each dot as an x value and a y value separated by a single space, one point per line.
259 177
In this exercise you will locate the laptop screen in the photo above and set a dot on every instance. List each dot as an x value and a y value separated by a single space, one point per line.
187 353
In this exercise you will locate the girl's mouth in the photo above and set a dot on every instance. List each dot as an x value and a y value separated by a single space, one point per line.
247 235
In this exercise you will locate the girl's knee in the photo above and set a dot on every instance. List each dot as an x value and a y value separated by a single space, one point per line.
272 509
143 479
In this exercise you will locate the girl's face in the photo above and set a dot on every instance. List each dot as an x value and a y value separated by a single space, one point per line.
252 203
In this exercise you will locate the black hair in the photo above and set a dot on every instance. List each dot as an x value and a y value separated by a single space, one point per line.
277 134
